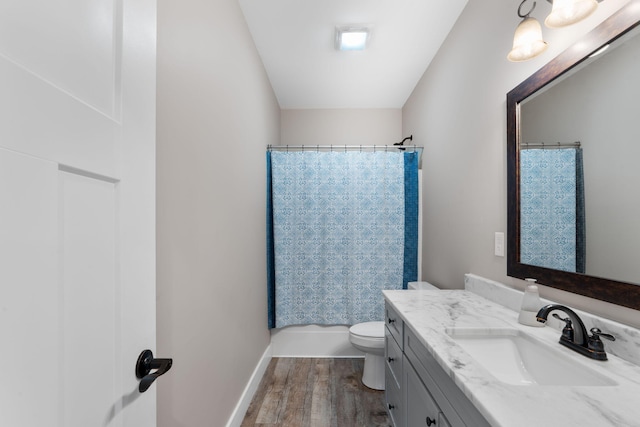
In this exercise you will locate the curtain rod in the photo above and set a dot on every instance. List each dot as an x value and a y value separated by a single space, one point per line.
344 148
527 145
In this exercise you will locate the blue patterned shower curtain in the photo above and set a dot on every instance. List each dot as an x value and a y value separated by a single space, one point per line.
552 222
341 227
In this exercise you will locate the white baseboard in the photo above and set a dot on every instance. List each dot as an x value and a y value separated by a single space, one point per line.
252 386
313 341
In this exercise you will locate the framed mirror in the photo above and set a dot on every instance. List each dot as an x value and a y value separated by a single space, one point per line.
573 167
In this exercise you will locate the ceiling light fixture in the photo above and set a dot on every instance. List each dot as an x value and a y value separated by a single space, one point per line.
352 38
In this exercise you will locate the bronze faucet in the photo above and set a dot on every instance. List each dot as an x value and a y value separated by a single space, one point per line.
577 339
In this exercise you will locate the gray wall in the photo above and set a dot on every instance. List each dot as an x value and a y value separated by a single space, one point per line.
216 114
342 127
458 112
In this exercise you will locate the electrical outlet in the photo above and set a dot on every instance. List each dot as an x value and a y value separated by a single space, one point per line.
499 244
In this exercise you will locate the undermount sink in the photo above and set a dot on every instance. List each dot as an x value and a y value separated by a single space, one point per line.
516 358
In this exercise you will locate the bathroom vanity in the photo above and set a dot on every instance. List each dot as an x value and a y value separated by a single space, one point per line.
447 365
418 391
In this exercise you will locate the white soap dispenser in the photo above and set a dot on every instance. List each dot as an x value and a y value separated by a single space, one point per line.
530 305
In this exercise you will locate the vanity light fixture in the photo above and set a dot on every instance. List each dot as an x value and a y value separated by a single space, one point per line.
567 12
352 38
527 41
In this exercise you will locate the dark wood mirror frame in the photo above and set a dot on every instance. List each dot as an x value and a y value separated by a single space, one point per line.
621 293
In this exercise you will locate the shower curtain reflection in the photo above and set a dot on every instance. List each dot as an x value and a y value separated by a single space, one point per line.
342 226
552 219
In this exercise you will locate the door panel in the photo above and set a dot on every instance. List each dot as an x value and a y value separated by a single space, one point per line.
90 299
56 34
28 291
77 211
40 119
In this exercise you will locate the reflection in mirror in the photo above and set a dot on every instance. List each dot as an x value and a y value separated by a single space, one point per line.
552 222
574 208
598 106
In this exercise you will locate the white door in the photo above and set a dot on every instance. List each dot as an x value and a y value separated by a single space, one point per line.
77 211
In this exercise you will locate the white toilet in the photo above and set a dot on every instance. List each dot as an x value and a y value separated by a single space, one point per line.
368 337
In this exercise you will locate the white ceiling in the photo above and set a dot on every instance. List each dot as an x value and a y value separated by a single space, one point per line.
295 39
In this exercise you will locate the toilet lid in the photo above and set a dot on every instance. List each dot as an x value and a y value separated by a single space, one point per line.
368 329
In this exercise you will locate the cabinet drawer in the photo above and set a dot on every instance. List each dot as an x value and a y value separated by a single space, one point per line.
421 409
393 357
395 324
453 403
393 398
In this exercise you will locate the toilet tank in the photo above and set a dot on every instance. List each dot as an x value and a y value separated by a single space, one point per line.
422 286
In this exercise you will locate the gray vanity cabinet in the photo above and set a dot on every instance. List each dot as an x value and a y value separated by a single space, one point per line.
417 390
420 408
393 367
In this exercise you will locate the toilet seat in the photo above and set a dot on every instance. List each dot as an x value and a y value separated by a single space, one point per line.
369 335
368 329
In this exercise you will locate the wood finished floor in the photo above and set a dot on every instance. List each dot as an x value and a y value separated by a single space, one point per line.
296 392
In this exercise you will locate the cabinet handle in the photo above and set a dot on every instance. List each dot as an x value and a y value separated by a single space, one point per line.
430 421
391 406
392 320
390 359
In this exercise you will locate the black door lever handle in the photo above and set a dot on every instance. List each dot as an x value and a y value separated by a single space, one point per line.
145 364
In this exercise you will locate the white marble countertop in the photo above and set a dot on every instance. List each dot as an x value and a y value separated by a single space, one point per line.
429 313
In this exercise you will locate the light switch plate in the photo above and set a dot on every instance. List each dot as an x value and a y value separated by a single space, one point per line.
499 244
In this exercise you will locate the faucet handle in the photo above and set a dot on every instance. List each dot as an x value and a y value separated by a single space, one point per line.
596 345
597 333
567 331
